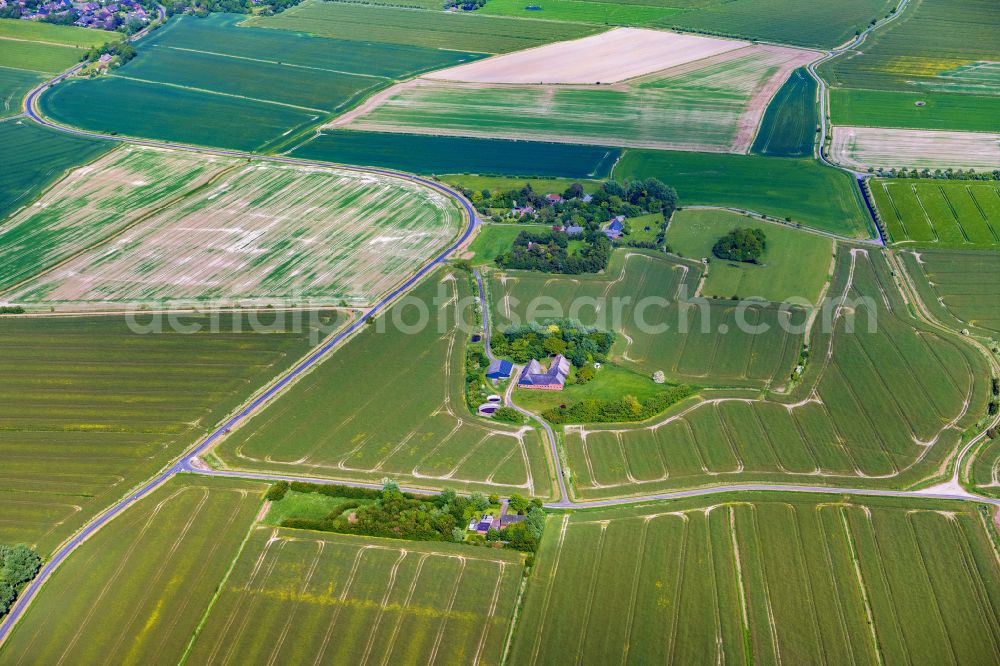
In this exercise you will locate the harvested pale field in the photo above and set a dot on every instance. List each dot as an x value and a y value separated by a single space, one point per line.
263 232
863 147
96 201
609 57
713 104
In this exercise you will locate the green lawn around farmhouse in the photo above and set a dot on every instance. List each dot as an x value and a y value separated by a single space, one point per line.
796 263
611 382
496 239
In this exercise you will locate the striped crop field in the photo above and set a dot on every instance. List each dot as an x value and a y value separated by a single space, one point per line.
390 403
154 568
691 349
96 202
959 287
714 104
199 229
883 400
939 213
765 578
984 470
301 596
90 407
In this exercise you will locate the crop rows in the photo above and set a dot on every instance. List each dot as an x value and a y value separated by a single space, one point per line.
963 286
257 231
154 569
947 214
391 403
747 581
88 407
883 401
299 596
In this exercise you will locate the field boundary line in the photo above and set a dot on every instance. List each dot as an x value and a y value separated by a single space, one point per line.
41 41
167 84
218 593
273 62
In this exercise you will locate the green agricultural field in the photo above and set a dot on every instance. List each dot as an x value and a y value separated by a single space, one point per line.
939 213
222 121
88 408
790 122
705 108
765 578
296 596
625 299
49 33
933 45
14 85
800 189
962 287
984 472
496 239
142 227
431 29
847 421
34 157
824 24
154 569
307 506
409 422
449 154
937 111
795 265
586 11
513 183
46 48
247 88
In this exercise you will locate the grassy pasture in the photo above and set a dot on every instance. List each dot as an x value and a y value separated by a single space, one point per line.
963 286
44 48
699 355
929 41
940 213
448 154
611 382
789 125
297 595
14 85
940 111
847 422
801 189
763 578
34 157
495 239
709 107
409 422
88 408
491 183
223 230
95 202
795 265
430 29
154 568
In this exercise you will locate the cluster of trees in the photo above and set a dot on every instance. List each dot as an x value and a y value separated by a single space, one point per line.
994 405
941 174
476 363
124 51
547 251
18 565
582 345
628 408
741 244
206 7
464 5
391 513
